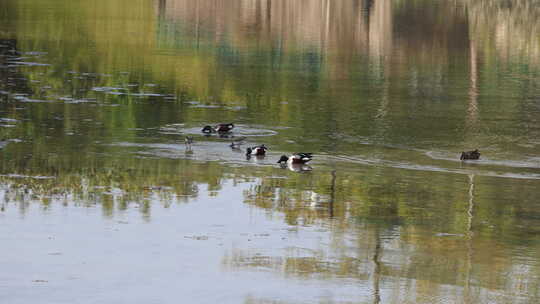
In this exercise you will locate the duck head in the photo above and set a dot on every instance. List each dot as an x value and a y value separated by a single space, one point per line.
207 129
283 158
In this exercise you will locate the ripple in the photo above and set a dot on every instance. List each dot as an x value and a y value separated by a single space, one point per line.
235 108
76 101
115 93
107 89
196 104
29 100
203 106
26 63
35 53
27 176
143 94
239 130
200 151
434 168
213 148
531 162
125 91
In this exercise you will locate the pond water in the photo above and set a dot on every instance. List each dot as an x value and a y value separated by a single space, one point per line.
102 202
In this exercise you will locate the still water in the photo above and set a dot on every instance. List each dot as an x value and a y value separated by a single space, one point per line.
102 202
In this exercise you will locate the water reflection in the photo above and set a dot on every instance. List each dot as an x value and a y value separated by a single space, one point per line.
297 167
94 115
402 234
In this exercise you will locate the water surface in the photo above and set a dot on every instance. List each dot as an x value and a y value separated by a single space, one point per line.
101 201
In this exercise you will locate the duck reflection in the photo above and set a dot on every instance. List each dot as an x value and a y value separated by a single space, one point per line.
236 143
255 158
188 152
188 141
296 167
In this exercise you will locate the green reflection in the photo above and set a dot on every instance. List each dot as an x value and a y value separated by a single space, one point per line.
396 76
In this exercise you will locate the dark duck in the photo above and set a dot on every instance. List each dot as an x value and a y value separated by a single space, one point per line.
470 155
297 158
258 150
221 128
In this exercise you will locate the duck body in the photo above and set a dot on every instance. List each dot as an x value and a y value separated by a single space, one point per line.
470 155
188 140
208 129
220 128
297 158
258 150
224 127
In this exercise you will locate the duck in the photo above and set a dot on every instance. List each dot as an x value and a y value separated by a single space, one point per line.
257 150
296 158
220 128
188 140
470 155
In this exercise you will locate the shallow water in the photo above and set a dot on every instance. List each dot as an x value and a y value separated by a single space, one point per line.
101 200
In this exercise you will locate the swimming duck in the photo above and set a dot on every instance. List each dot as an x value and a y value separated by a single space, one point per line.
258 150
221 128
297 158
470 155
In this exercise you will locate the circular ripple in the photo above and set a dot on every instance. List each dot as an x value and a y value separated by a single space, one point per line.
239 130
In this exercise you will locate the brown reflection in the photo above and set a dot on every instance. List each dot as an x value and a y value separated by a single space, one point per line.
290 26
380 33
504 35
469 257
299 263
377 269
510 28
332 194
472 110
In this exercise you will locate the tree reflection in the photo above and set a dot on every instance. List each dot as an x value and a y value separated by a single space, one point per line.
398 222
